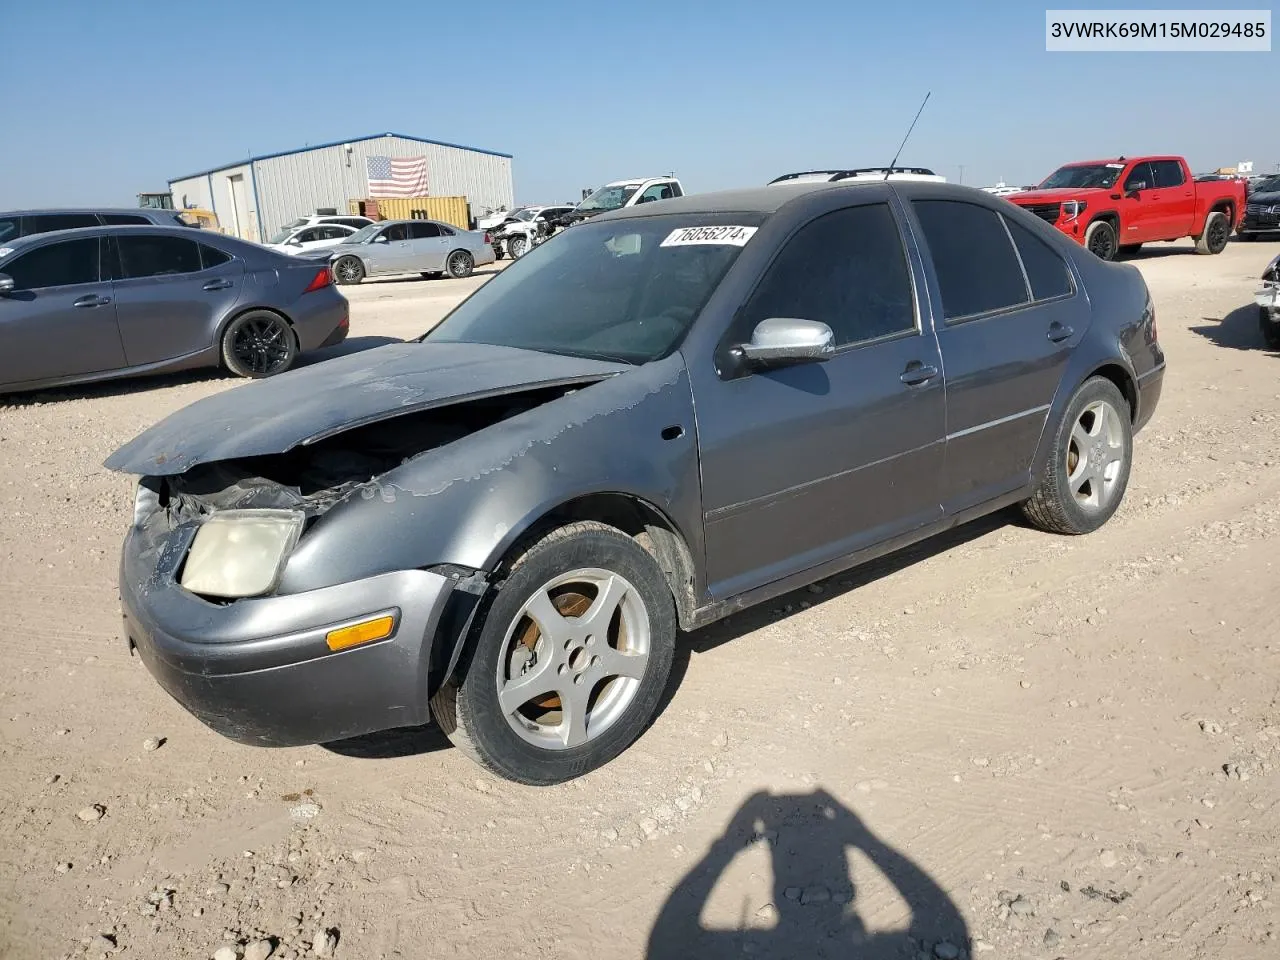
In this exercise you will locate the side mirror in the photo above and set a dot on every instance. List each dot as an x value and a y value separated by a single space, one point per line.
6 284
1135 188
294 242
381 238
784 340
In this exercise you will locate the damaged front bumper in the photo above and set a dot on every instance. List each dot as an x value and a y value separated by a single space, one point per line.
259 670
1269 298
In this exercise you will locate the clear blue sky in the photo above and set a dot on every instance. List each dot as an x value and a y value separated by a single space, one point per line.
102 100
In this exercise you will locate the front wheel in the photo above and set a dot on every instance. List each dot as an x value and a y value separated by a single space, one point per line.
570 662
460 264
1217 231
518 246
1101 240
259 344
1088 469
348 270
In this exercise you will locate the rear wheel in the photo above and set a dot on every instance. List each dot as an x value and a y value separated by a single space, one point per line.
259 344
460 264
1101 240
1217 231
348 270
1088 469
570 662
1270 326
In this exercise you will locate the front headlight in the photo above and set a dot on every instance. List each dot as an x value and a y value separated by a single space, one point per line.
239 553
1073 208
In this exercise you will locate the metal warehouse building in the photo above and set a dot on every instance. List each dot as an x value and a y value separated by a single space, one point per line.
256 197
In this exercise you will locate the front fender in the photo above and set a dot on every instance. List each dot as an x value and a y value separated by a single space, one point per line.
468 502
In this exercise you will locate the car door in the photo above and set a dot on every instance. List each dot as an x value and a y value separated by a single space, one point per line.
1139 206
388 251
811 462
428 246
1010 316
59 320
171 294
1176 196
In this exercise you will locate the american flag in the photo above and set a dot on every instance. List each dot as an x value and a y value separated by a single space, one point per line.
397 176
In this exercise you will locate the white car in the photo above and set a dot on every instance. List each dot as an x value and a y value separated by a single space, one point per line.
516 237
352 220
317 236
860 173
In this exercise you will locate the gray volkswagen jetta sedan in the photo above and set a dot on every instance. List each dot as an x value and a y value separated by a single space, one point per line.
103 302
655 419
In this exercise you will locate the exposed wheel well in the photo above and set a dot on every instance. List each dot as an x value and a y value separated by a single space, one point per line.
1225 206
1111 217
636 518
1124 383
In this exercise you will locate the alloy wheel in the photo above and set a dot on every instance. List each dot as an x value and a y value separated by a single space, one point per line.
1095 456
573 658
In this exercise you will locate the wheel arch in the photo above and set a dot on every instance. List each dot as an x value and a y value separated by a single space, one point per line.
635 516
1124 380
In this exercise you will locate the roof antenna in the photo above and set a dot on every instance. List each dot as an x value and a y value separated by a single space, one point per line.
904 139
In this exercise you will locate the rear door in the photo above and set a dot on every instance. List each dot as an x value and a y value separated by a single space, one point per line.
60 318
1175 199
171 293
428 246
1010 316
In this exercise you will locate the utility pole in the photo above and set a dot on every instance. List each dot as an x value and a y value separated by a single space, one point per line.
962 173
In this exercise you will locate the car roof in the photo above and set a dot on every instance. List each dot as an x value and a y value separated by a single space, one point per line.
42 211
33 239
770 198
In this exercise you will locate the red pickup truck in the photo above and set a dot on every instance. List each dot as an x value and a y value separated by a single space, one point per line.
1115 206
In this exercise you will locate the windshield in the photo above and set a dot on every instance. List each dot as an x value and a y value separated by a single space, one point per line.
524 213
1097 176
363 234
621 290
1269 185
283 235
609 198
8 228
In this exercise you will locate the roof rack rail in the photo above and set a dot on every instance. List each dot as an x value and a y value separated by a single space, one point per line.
849 173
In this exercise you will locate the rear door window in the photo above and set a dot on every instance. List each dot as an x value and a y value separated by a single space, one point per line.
424 230
47 222
1046 271
122 219
157 256
55 265
396 232
1168 173
977 269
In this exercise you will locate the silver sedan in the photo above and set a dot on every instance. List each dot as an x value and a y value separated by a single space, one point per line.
428 247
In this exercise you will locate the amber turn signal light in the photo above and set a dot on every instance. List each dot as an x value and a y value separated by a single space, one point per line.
358 633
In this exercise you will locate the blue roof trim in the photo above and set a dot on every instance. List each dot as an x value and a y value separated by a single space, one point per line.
338 143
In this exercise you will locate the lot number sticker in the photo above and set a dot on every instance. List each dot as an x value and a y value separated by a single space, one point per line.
688 236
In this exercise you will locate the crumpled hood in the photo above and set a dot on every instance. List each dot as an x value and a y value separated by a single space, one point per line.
274 415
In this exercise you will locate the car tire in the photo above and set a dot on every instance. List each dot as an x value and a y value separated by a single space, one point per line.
518 246
348 270
1270 327
1217 232
1100 240
259 344
460 264
431 274
1089 462
514 737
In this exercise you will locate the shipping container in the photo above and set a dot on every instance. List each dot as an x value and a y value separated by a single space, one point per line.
454 210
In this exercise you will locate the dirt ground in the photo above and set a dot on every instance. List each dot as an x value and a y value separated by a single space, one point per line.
1001 744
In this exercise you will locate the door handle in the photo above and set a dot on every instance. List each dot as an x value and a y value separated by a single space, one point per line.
92 300
917 373
1058 333
217 285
